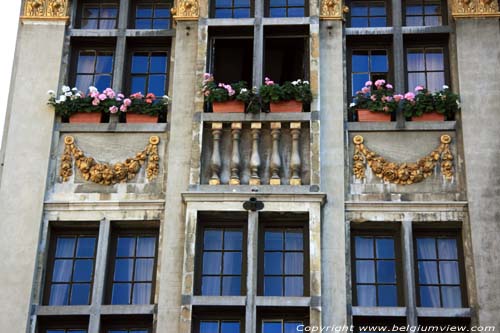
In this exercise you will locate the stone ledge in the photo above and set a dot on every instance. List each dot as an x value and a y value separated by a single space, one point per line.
416 206
112 128
379 311
258 117
408 126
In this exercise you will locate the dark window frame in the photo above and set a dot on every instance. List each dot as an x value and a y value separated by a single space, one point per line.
284 223
213 9
217 314
444 13
288 315
206 221
55 233
118 231
386 231
67 323
82 4
127 322
132 17
436 233
388 13
267 9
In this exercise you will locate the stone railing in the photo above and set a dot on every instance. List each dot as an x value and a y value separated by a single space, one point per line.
256 153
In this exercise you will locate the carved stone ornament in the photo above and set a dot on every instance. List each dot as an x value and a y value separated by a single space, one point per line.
475 8
332 10
402 173
46 9
186 10
106 174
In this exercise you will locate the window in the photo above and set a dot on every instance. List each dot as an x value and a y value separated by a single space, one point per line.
62 330
71 268
283 261
368 65
94 68
368 14
222 261
131 330
375 269
148 72
439 269
423 13
232 8
426 67
287 8
281 326
99 15
134 266
219 326
152 15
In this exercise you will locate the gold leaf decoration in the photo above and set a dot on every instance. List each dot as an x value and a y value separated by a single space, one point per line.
45 9
106 174
186 10
475 8
402 173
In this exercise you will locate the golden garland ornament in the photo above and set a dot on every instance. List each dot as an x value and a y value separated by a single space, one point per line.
106 174
46 9
475 8
402 173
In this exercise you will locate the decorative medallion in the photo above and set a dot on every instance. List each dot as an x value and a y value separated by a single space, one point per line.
475 8
186 10
402 173
332 10
46 9
106 174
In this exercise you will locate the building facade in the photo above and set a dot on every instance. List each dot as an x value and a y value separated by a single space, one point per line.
251 222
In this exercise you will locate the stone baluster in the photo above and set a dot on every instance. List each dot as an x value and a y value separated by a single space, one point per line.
215 161
275 155
295 162
255 157
235 155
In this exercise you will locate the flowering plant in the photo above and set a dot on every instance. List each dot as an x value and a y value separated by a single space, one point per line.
221 92
297 90
422 101
376 97
148 104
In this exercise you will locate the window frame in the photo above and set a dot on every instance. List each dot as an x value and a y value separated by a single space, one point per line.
267 10
132 17
282 314
388 14
444 13
202 313
213 8
127 322
79 14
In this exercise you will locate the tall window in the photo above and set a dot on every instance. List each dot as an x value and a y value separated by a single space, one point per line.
426 67
152 15
284 258
281 326
134 266
148 72
222 262
232 8
287 8
94 68
219 326
368 65
62 330
423 13
71 269
375 281
368 14
439 264
99 15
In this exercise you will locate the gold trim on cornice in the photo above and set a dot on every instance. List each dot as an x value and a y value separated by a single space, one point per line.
475 9
186 10
56 10
332 10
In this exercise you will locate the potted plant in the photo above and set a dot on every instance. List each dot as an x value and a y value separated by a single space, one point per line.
427 106
144 109
375 102
288 97
226 97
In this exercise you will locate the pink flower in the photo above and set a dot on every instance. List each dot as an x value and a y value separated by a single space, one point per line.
121 96
94 94
365 90
109 93
410 96
102 97
419 88
207 76
373 98
368 83
379 83
221 85
151 96
388 86
388 98
127 102
113 109
386 109
137 95
398 97
123 108
96 101
268 81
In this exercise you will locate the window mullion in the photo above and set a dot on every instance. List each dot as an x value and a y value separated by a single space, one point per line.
409 272
252 269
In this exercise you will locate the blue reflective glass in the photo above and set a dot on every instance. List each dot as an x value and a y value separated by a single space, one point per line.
434 59
157 84
104 63
142 293
162 12
144 11
365 271
414 21
139 331
429 296
242 3
144 269
294 263
277 12
232 263
146 246
426 248
364 245
385 248
121 293
231 286
447 248
158 63
432 9
271 327
230 327
273 263
359 22
233 240
85 247
294 240
273 240
277 3
209 326
223 13
223 3
379 62
210 286
359 10
125 247
296 3
55 331
109 12
294 286
427 272
90 12
62 270
65 247
102 82
241 13
448 272
378 22
89 24
83 270
296 12
80 294
377 10
452 297
366 295
123 269
143 24
293 327
273 286
140 63
161 24
212 240
387 296
138 84
59 294
212 262
386 271
86 62
107 24
358 82
360 62
118 331
414 10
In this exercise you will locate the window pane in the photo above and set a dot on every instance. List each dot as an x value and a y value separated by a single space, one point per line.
80 294
157 85
452 297
210 286
139 84
386 271
385 248
271 327
277 3
223 3
65 247
142 293
102 82
161 24
433 20
360 61
273 240
294 240
146 246
377 9
212 240
378 22
59 294
109 12
104 63
90 12
144 11
359 22
365 271
232 263
125 247
447 248
415 60
359 10
162 11
124 269
414 21
366 295
143 23
62 270
212 262
140 63
434 59
83 270
364 247
296 3
231 285
416 79
429 296
294 286
379 61
435 81
85 248
244 3
293 327
107 24
295 12
223 13
273 263
273 286
277 12
294 263
387 296
144 270
83 82
209 327
121 293
158 63
448 272
230 327
233 240
89 24
427 272
358 82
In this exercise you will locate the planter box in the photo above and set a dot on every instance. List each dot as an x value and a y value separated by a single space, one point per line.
85 117
229 106
286 106
140 118
432 116
365 115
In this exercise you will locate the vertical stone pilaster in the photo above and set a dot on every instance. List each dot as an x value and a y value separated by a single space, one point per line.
215 161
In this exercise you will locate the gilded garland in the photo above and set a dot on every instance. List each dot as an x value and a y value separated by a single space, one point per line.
49 9
106 174
402 173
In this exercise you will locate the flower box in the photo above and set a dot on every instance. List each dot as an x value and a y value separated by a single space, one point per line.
365 115
429 116
133 117
285 106
228 106
85 117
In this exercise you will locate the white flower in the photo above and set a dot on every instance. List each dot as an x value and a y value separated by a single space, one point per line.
65 89
306 82
93 89
78 94
74 89
299 81
295 83
62 98
51 92
69 93
243 90
445 87
352 104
